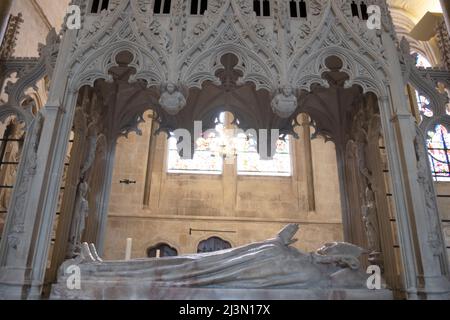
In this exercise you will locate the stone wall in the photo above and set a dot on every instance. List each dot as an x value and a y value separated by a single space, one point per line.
241 209
244 208
39 17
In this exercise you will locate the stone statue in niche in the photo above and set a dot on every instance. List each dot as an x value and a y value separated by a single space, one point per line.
91 152
172 100
273 263
370 219
79 220
424 179
285 103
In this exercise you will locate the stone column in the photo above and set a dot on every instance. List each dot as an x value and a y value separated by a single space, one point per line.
70 193
5 7
445 4
24 259
307 158
150 162
25 255
425 274
229 176
105 194
386 236
14 249
347 217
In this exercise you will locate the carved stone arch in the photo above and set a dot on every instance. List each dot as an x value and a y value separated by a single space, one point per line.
17 103
208 114
95 27
438 101
428 88
210 235
355 35
247 20
98 66
360 72
124 19
423 83
429 124
321 121
7 111
160 240
37 100
227 13
314 41
208 63
228 31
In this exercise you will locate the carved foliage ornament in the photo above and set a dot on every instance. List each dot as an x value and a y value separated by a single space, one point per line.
18 209
425 181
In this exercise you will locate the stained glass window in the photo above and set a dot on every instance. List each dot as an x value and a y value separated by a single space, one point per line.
439 151
161 250
204 161
250 163
422 62
424 105
448 105
213 244
232 146
422 101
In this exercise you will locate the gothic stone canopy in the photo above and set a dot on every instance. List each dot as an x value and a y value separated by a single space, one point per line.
265 72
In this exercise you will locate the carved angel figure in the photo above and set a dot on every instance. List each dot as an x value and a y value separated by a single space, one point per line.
79 219
172 100
369 215
285 103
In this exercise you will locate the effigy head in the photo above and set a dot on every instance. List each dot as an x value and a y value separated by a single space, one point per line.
170 88
341 248
288 91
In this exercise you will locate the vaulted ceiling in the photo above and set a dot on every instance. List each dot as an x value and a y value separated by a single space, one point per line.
416 9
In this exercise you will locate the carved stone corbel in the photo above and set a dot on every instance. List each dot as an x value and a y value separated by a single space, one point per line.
172 100
285 102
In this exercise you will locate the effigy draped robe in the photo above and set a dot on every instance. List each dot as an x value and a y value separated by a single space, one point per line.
269 264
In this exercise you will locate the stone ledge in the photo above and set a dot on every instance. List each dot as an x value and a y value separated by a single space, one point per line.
139 291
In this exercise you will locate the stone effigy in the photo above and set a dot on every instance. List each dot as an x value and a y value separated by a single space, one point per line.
269 269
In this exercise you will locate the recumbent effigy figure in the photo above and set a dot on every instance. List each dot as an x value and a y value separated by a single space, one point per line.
273 263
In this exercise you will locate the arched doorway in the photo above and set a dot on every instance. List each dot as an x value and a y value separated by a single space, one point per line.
213 244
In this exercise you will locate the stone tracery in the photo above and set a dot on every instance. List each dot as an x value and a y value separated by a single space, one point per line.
228 56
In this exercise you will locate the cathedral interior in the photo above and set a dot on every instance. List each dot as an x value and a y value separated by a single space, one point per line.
158 129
